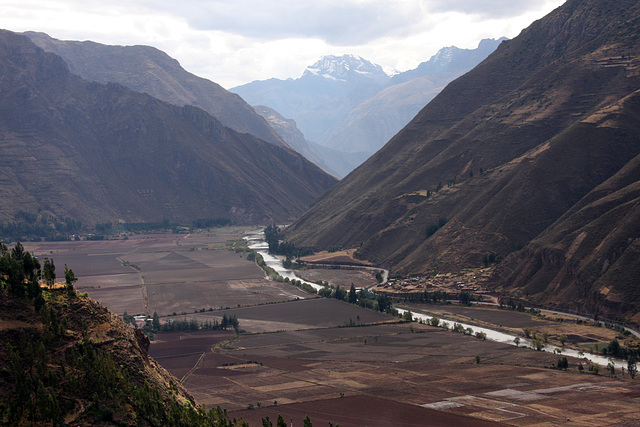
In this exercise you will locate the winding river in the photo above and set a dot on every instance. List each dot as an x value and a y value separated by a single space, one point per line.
255 240
501 337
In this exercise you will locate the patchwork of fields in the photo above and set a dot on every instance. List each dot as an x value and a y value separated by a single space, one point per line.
166 273
300 355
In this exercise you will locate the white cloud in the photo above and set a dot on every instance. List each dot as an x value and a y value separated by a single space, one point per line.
487 8
234 42
337 22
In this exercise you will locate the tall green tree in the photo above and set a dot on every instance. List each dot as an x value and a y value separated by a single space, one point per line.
632 366
384 303
69 278
49 272
353 297
156 321
340 293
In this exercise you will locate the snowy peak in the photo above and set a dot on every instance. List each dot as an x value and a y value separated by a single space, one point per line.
345 68
444 56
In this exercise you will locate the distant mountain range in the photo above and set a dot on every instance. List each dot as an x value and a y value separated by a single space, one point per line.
362 117
352 107
532 156
325 92
104 153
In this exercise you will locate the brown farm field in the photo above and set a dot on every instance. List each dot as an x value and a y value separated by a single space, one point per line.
298 354
401 374
166 273
309 313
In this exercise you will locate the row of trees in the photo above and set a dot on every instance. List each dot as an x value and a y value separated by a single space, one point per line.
425 297
615 349
266 422
21 272
193 325
28 227
362 297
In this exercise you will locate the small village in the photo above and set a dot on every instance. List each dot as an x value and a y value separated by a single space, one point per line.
469 280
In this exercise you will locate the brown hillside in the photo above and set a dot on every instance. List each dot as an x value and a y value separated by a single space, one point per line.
104 153
515 144
149 70
588 260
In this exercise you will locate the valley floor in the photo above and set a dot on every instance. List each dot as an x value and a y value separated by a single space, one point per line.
300 355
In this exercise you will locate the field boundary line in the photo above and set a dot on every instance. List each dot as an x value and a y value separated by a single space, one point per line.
195 367
176 355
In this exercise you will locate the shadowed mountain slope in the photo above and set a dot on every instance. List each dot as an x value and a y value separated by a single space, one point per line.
104 153
590 255
149 70
512 146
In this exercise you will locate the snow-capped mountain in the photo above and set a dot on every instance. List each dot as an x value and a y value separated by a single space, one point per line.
444 56
351 105
326 91
344 68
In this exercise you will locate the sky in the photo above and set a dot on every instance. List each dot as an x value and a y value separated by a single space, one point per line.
233 42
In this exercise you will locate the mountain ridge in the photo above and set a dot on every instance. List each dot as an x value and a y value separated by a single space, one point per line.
149 70
314 101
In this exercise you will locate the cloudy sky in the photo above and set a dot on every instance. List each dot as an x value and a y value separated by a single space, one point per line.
237 41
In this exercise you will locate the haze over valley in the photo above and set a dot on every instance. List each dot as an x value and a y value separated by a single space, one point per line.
455 243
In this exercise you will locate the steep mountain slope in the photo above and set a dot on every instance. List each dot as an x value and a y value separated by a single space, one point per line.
104 153
325 92
590 254
147 69
512 146
372 123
